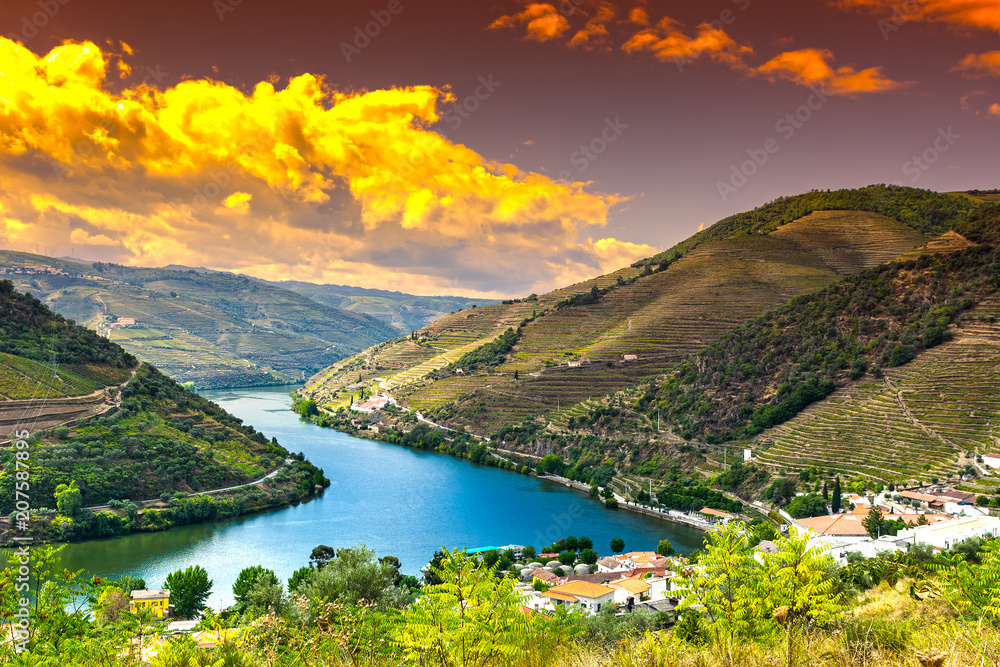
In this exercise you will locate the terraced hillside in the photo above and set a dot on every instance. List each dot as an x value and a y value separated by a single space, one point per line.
212 329
597 337
927 418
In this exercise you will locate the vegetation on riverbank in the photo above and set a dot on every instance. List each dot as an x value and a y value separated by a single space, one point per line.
148 440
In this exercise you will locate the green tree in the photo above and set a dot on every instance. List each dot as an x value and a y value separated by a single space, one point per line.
665 548
355 575
249 579
307 408
567 557
617 545
321 555
299 577
589 556
874 523
528 552
586 543
802 587
837 499
69 500
471 618
810 504
189 589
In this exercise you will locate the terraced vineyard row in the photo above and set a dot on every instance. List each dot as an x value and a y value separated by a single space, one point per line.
914 423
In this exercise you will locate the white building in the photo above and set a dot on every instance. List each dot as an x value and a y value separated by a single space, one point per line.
947 534
581 595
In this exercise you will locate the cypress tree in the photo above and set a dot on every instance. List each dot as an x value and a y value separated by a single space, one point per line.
826 490
836 497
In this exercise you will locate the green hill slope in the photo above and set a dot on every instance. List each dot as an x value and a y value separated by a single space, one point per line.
601 336
88 413
213 329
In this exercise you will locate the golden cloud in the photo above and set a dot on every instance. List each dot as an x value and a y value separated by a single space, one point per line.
994 111
983 14
307 182
595 33
980 64
811 67
667 42
542 20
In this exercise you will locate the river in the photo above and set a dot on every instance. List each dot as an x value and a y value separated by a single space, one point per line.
397 501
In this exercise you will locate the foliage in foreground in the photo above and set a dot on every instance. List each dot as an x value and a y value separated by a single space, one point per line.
794 607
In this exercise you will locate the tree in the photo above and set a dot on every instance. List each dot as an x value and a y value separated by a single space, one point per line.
873 523
835 503
189 589
321 555
307 409
471 618
299 577
589 556
528 552
803 589
826 490
617 545
572 543
355 575
69 500
249 579
665 548
567 557
586 543
811 504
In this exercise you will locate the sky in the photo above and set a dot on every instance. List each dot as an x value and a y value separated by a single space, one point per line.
490 148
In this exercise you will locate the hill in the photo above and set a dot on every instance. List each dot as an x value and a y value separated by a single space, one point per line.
404 312
87 414
212 329
601 336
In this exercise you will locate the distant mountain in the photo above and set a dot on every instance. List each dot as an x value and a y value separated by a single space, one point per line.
213 329
405 312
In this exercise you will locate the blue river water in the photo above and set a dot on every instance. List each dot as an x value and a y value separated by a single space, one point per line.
397 501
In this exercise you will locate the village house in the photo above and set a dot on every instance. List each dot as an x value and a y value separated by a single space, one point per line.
155 601
636 589
581 594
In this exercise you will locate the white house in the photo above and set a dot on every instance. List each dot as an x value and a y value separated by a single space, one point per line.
946 534
636 589
992 459
582 595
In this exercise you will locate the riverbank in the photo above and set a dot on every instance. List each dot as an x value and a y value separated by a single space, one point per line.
291 484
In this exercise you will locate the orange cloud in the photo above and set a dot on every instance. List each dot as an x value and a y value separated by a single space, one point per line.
639 16
980 64
666 42
595 33
307 181
983 14
542 20
994 111
811 67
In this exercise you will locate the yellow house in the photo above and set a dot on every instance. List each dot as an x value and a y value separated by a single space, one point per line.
156 601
